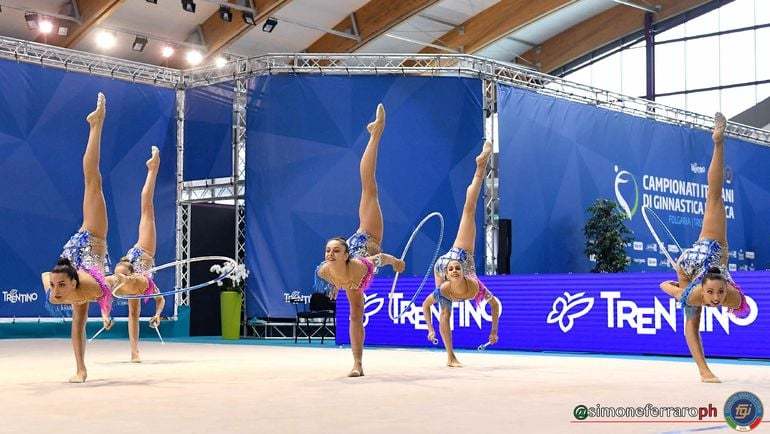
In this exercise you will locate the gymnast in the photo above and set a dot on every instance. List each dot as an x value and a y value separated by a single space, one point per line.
140 258
702 275
455 272
351 264
78 277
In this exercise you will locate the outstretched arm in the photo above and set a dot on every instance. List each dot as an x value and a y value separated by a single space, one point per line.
428 317
672 288
692 335
386 259
495 319
133 284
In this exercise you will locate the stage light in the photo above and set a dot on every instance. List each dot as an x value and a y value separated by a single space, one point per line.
269 25
152 1
248 18
194 57
139 43
167 51
188 6
45 26
31 18
64 28
225 13
105 39
220 62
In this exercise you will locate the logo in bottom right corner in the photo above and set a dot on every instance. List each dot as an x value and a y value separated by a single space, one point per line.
743 411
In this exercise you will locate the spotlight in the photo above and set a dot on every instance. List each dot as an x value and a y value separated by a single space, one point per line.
225 13
105 40
188 6
31 18
269 25
167 51
248 18
194 57
139 43
64 28
220 62
152 1
45 26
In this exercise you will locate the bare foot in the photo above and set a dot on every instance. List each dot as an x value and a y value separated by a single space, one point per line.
96 118
378 125
710 378
357 371
486 151
135 357
80 377
154 162
720 123
454 363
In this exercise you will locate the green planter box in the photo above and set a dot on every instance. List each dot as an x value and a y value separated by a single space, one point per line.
230 307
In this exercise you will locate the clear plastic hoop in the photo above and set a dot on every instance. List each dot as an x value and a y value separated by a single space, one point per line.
221 277
394 309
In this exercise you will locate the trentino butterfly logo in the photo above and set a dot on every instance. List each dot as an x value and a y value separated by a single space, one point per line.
562 306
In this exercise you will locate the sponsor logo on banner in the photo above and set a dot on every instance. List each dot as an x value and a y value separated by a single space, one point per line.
672 248
560 311
696 168
640 261
372 305
652 247
732 267
749 254
629 206
728 174
14 296
740 255
638 246
652 262
623 313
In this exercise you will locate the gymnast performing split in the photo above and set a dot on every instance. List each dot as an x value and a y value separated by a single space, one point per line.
78 277
455 272
141 258
702 275
351 264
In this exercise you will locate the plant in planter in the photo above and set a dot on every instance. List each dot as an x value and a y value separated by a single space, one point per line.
231 297
606 237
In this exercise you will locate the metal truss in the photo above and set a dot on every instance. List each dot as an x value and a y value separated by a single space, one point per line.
182 270
461 65
491 196
240 93
77 61
211 190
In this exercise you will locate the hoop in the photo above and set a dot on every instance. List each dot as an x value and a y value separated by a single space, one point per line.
219 278
661 245
394 309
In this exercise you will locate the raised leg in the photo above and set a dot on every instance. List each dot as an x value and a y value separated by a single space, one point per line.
466 233
134 311
714 219
356 330
78 334
94 207
369 212
147 219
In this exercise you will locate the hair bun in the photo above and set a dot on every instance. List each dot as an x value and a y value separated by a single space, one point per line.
64 261
714 270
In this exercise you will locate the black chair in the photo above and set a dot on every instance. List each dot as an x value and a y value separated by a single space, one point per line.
320 307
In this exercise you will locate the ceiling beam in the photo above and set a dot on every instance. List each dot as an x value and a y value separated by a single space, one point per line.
371 20
495 23
598 31
218 34
92 13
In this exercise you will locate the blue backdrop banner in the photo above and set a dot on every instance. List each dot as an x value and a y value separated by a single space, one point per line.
622 313
306 135
557 157
43 134
208 132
